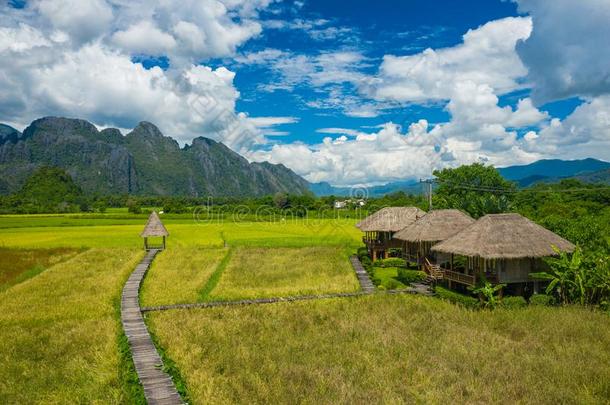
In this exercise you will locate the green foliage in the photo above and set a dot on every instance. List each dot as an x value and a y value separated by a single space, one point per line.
513 302
133 206
456 298
464 188
575 278
489 294
390 262
541 299
410 276
49 190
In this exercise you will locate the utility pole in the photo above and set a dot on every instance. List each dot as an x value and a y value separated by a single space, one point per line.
429 183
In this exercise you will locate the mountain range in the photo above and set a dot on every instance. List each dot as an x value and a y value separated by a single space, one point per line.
143 162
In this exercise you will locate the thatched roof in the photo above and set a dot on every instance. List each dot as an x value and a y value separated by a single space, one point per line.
390 219
435 226
154 227
504 236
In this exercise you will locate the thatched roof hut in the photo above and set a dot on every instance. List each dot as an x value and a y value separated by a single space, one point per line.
390 219
435 226
504 236
154 228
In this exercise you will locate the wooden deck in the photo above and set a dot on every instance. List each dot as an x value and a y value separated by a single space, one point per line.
158 385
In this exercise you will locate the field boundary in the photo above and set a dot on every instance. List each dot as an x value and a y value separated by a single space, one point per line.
215 276
158 385
212 304
363 277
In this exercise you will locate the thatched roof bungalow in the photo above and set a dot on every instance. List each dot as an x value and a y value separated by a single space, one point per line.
503 248
435 226
154 228
379 228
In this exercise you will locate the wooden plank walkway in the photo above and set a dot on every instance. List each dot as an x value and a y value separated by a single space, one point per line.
212 304
363 277
158 385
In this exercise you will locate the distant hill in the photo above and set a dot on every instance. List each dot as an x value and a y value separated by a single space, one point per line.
407 186
551 170
143 162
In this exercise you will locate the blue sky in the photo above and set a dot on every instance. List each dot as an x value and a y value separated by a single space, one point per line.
350 93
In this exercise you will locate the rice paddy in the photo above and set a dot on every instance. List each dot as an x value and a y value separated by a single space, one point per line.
60 336
281 272
58 332
388 349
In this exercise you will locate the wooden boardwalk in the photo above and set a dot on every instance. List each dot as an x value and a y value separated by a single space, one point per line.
158 385
272 300
363 277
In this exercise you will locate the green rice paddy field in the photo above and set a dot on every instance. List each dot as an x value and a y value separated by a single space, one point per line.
61 340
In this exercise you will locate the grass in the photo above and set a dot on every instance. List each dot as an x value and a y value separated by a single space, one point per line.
18 265
177 275
92 231
388 349
278 272
58 332
387 277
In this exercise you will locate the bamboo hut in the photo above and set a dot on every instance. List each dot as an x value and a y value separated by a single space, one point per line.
428 230
379 228
154 229
502 248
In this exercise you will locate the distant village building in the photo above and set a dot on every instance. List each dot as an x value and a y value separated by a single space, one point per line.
379 228
154 229
340 204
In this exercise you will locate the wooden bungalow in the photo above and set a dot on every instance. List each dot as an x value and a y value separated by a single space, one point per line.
435 226
501 248
154 229
379 228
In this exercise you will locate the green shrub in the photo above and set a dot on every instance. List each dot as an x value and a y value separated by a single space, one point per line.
362 252
393 284
541 299
456 298
390 262
514 302
410 276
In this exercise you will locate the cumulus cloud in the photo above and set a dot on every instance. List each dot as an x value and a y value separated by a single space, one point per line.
487 56
568 50
64 57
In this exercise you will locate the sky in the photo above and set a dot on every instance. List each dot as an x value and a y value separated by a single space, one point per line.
356 93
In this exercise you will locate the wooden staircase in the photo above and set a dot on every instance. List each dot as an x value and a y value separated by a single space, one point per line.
433 271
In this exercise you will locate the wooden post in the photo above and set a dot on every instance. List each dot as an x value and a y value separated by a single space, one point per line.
163 242
374 254
145 243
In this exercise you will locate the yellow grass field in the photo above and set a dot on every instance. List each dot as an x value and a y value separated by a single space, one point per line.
58 332
281 272
178 275
388 349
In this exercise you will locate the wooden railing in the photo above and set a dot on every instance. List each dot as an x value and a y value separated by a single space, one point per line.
433 270
459 277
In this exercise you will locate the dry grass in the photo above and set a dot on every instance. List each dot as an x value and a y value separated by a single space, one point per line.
279 272
17 265
388 349
58 332
177 275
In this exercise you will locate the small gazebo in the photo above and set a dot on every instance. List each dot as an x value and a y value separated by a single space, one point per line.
154 229
435 226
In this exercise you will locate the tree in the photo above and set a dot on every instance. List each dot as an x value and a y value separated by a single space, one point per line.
133 206
280 200
476 189
51 189
566 277
489 294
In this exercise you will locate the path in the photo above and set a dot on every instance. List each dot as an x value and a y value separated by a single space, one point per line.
272 300
363 277
158 385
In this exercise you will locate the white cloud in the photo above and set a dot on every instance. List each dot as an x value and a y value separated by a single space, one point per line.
487 56
82 20
568 51
340 131
144 37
